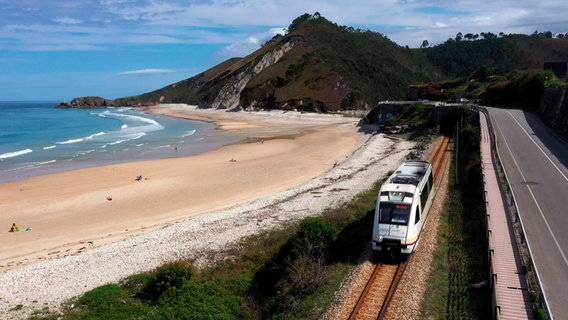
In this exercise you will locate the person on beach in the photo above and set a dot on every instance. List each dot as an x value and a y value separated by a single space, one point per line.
14 228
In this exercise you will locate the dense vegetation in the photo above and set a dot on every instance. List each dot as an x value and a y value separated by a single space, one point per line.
288 273
357 68
518 88
465 54
461 256
333 68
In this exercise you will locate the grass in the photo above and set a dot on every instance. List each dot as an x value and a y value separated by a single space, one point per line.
460 259
224 291
458 263
293 272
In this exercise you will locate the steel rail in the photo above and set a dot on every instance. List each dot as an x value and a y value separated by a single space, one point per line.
438 160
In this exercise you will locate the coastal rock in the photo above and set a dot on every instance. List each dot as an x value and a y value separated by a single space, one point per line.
64 105
87 102
95 102
230 95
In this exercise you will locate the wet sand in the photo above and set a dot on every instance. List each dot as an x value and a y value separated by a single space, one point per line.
73 211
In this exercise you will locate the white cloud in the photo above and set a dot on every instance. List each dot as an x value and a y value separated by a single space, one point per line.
116 22
248 45
68 20
280 31
145 72
439 25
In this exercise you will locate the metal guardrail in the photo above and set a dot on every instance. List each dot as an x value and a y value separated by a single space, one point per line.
516 214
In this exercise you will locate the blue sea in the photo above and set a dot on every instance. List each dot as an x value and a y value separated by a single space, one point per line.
36 138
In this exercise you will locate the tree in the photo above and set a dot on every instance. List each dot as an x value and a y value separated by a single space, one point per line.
489 35
298 21
425 44
459 36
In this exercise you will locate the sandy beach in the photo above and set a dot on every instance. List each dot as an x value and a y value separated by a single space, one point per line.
98 225
72 211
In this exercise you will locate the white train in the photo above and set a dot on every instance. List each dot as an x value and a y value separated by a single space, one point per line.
402 207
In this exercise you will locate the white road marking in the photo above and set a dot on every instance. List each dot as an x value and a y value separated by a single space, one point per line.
529 188
547 157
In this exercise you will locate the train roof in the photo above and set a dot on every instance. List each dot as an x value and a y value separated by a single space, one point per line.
409 173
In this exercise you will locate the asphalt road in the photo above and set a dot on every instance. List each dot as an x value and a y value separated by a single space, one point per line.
536 162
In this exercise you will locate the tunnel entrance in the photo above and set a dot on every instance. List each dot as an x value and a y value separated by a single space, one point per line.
444 117
448 120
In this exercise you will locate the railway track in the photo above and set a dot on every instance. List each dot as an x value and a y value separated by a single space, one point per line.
378 292
381 286
439 160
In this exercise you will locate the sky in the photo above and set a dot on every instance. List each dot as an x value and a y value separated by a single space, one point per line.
55 50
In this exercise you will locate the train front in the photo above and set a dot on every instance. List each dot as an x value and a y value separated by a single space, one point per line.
391 223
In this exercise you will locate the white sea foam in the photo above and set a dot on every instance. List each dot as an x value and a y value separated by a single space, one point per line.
31 165
94 135
189 133
151 124
15 153
117 142
82 153
134 136
41 163
71 141
134 128
89 137
49 147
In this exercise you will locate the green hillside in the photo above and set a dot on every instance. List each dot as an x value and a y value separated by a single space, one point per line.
335 68
461 57
325 67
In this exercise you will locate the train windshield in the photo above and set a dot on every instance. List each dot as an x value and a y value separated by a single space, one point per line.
394 213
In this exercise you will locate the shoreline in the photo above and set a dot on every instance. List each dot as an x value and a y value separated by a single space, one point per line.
193 137
276 182
76 210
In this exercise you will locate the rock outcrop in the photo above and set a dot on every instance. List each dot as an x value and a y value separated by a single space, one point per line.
229 96
554 109
88 102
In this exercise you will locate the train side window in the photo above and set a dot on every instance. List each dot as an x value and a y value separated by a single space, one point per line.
417 215
424 197
426 191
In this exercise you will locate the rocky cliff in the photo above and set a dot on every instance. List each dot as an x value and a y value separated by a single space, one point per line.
88 102
229 96
554 109
322 67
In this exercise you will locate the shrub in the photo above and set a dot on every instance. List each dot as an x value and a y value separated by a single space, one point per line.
314 238
297 269
206 299
108 302
304 276
169 276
